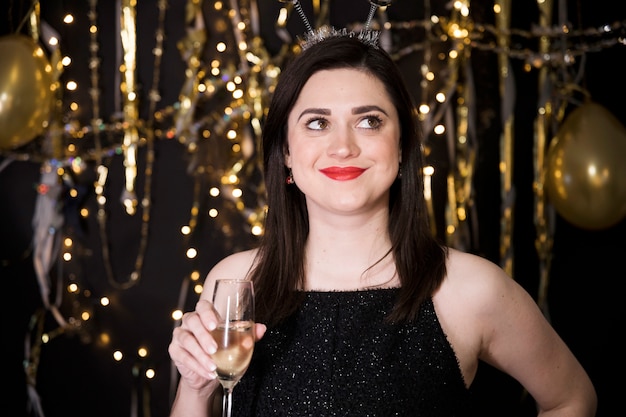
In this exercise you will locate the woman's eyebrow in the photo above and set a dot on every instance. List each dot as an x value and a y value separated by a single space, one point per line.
367 109
356 110
314 110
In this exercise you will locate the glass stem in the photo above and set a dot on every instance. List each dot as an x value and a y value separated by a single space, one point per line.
227 402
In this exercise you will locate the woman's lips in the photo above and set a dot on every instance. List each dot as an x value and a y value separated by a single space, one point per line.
342 173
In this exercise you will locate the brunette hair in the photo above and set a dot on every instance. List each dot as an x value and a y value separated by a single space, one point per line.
279 274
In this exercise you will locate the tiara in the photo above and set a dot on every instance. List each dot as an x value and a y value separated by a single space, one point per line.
366 35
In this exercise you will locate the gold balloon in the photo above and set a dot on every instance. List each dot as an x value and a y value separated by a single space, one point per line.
25 90
585 172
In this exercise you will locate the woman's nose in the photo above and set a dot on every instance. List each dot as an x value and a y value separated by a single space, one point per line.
343 143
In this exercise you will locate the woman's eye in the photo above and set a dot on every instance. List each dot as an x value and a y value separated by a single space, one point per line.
370 122
316 124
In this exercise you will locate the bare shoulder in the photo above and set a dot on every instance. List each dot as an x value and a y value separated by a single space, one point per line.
478 290
238 266
475 299
477 279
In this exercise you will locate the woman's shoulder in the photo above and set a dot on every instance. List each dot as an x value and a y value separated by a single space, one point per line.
463 260
478 291
476 283
237 266
467 269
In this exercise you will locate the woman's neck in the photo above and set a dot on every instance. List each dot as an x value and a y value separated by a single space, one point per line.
348 252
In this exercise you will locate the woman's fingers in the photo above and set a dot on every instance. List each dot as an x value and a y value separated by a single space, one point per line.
188 367
200 322
192 345
259 330
207 314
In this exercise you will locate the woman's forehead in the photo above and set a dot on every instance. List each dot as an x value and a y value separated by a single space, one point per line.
345 84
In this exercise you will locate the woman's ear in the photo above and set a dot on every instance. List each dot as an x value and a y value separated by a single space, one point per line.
287 157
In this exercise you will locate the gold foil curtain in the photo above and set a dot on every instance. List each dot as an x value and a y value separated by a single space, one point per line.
461 149
191 48
128 33
507 99
543 241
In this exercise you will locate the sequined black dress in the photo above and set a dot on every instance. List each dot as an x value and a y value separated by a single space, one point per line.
337 357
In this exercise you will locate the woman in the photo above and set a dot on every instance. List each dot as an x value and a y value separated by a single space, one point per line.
360 311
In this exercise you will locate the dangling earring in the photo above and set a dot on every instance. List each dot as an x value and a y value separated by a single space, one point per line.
289 180
399 171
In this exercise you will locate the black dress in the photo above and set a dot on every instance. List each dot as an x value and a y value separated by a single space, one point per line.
338 357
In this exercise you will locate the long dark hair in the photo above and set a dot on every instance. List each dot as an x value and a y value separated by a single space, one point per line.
279 271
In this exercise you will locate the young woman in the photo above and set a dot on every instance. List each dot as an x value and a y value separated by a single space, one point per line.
360 311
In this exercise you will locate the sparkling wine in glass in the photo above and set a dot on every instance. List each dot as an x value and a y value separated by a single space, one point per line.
233 301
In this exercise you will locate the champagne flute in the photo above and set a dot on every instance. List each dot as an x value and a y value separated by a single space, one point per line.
233 301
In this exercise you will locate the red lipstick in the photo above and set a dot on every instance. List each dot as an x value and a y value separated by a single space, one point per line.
342 173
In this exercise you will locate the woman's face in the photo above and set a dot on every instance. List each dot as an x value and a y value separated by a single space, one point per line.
344 142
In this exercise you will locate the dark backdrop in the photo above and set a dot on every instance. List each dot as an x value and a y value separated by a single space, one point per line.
77 375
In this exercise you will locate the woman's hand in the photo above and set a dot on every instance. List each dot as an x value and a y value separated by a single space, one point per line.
192 345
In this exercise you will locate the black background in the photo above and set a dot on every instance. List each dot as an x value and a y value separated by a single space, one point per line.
78 377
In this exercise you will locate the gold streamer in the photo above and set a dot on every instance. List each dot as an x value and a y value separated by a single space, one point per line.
461 154
428 196
543 241
102 170
503 23
130 144
191 47
239 32
34 20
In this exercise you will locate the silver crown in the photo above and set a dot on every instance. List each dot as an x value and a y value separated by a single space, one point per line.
366 35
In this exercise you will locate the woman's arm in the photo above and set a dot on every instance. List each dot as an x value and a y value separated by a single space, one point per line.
522 343
492 318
